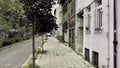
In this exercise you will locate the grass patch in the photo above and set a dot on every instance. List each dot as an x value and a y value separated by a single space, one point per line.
30 65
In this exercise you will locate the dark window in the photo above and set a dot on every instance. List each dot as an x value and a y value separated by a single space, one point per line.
95 59
65 27
73 9
65 7
88 22
88 8
99 2
87 54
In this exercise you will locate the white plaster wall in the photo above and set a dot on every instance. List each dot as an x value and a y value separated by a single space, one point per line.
98 42
78 34
59 18
102 42
118 32
111 34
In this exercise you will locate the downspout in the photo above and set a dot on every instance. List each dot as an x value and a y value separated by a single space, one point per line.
115 42
108 58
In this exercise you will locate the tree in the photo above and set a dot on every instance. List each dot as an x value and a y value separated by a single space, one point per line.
13 22
10 13
39 11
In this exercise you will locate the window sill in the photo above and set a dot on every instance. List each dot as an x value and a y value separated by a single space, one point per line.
98 30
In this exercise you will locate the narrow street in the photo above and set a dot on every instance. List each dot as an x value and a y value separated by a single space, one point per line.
15 55
72 33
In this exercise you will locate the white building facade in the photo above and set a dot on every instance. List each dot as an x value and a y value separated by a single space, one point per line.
117 27
79 20
96 16
59 18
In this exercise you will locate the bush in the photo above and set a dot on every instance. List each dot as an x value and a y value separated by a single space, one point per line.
60 37
37 51
17 39
8 41
28 37
29 65
0 44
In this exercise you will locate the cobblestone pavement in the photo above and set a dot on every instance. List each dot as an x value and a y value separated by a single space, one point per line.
60 56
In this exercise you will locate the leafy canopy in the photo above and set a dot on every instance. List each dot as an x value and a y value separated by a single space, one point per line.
10 13
39 11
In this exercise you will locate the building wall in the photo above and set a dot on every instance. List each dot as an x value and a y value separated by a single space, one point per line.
111 20
118 32
65 20
98 41
71 21
59 18
78 26
101 42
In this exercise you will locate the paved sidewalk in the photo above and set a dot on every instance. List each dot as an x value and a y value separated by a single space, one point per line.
60 56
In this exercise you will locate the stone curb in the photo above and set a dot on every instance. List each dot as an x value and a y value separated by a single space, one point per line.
27 61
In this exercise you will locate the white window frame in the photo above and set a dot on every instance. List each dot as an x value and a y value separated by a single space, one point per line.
88 20
99 20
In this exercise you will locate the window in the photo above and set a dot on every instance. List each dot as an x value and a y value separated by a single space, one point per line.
73 9
87 54
88 19
65 26
95 58
99 2
98 23
65 7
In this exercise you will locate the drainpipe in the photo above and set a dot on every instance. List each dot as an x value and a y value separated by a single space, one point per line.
108 58
115 42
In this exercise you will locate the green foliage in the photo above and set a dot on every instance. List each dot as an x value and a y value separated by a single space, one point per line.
9 9
29 65
8 41
39 11
18 38
1 43
38 51
60 37
13 21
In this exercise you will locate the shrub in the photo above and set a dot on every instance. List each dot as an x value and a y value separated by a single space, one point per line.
0 44
29 65
28 37
37 51
17 39
8 41
59 37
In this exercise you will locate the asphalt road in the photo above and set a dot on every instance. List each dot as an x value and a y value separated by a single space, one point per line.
14 56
